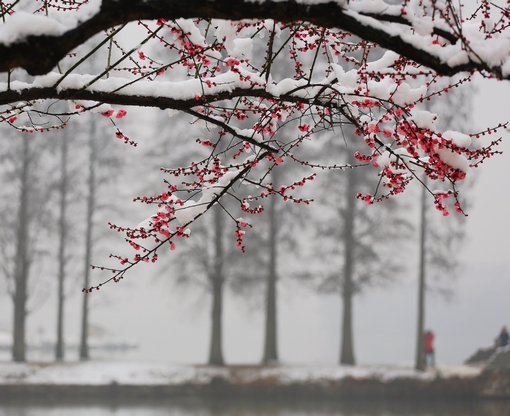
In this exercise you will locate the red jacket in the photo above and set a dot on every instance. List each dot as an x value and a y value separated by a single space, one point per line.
429 341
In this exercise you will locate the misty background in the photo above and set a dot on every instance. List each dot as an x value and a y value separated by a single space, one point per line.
173 325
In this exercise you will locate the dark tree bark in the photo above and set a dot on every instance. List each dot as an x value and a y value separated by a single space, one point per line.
420 347
271 334
349 214
217 280
62 226
22 265
39 54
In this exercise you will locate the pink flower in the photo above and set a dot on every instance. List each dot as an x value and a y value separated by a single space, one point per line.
121 113
107 113
304 127
387 133
373 128
141 55
231 62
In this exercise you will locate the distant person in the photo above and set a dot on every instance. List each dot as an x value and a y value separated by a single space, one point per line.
429 349
504 337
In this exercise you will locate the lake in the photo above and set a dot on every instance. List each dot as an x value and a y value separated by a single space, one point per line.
244 407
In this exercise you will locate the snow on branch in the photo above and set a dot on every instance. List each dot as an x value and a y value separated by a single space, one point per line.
434 35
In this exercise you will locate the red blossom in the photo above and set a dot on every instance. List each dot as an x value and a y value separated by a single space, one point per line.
232 62
121 113
108 113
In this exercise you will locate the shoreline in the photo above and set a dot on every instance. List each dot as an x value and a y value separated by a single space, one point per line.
348 389
138 382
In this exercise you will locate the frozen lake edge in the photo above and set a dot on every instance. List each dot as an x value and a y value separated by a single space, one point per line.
128 381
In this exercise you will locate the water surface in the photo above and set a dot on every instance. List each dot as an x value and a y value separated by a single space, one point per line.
201 407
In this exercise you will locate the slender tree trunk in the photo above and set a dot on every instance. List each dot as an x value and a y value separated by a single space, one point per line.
22 262
347 343
59 348
217 280
271 344
420 347
91 207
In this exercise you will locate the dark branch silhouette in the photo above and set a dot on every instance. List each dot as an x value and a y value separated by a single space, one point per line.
40 54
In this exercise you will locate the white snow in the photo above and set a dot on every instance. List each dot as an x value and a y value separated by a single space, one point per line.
157 373
22 24
285 86
252 134
178 90
236 46
424 119
387 60
460 139
454 159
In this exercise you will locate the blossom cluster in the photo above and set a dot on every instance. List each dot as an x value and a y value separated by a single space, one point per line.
265 92
278 111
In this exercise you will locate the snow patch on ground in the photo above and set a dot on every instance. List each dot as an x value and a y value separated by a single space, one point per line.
130 373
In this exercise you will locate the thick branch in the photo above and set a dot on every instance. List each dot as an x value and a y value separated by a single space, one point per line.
34 93
40 54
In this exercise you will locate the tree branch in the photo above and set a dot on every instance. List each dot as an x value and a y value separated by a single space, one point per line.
39 54
162 102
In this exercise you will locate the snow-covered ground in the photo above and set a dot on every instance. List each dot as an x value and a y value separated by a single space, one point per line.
139 373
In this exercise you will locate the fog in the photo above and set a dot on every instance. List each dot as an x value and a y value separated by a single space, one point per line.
173 326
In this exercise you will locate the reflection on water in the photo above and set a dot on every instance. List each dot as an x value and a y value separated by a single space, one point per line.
197 407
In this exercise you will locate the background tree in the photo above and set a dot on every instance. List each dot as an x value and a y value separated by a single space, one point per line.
280 228
207 261
102 165
63 190
354 241
440 238
270 337
91 200
210 262
24 226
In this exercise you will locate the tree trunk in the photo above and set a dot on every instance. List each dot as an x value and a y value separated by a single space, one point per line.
91 207
22 261
420 347
59 348
270 344
217 280
347 343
